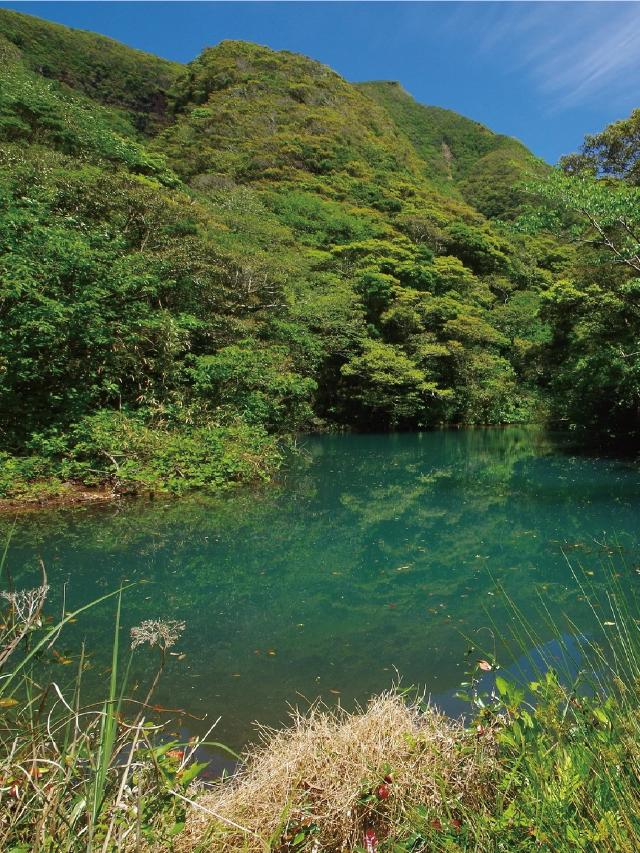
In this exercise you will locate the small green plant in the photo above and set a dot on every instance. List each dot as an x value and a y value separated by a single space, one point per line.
567 769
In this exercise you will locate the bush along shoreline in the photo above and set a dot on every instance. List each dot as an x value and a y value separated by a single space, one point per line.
547 759
152 459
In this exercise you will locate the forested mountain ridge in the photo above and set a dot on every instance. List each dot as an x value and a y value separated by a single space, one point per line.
103 69
462 156
264 254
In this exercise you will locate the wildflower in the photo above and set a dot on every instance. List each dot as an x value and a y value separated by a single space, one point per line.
370 841
156 632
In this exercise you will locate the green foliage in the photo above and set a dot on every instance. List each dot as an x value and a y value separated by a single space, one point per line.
614 152
385 381
592 358
258 383
566 730
462 157
102 69
132 453
306 271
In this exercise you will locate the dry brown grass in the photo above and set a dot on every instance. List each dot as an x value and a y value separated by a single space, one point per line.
327 769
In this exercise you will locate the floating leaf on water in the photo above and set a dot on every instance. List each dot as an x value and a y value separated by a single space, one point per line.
7 703
484 665
257 652
182 656
175 753
236 675
337 692
271 652
609 623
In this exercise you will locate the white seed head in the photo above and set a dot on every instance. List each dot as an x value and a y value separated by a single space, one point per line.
156 632
26 603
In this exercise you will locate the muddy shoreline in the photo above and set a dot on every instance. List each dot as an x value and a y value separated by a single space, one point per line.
70 495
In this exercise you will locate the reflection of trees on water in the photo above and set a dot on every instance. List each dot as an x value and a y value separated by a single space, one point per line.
375 553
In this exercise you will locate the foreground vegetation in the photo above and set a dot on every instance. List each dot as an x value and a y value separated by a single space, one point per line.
80 775
547 760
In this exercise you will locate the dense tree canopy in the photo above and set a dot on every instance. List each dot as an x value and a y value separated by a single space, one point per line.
276 249
593 358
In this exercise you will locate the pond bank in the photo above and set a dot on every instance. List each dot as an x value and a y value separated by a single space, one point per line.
71 494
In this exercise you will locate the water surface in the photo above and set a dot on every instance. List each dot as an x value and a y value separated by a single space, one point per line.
370 558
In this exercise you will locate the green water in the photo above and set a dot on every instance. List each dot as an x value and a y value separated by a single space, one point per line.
366 559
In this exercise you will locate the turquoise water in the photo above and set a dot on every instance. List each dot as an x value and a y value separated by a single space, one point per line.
368 560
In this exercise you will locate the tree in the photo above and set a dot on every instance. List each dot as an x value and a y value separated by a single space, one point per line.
615 152
593 359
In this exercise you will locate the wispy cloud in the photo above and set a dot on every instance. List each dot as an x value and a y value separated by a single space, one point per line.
574 53
597 54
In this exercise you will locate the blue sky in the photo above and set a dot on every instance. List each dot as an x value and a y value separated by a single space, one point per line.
544 72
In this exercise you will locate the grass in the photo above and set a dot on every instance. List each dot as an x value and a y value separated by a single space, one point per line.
332 777
77 777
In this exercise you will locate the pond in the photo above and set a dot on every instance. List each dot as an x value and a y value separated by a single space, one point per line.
371 558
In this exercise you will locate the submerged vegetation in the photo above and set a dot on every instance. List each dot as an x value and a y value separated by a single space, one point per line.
547 758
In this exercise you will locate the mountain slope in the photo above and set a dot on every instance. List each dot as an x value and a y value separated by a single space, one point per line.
273 258
462 157
103 69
